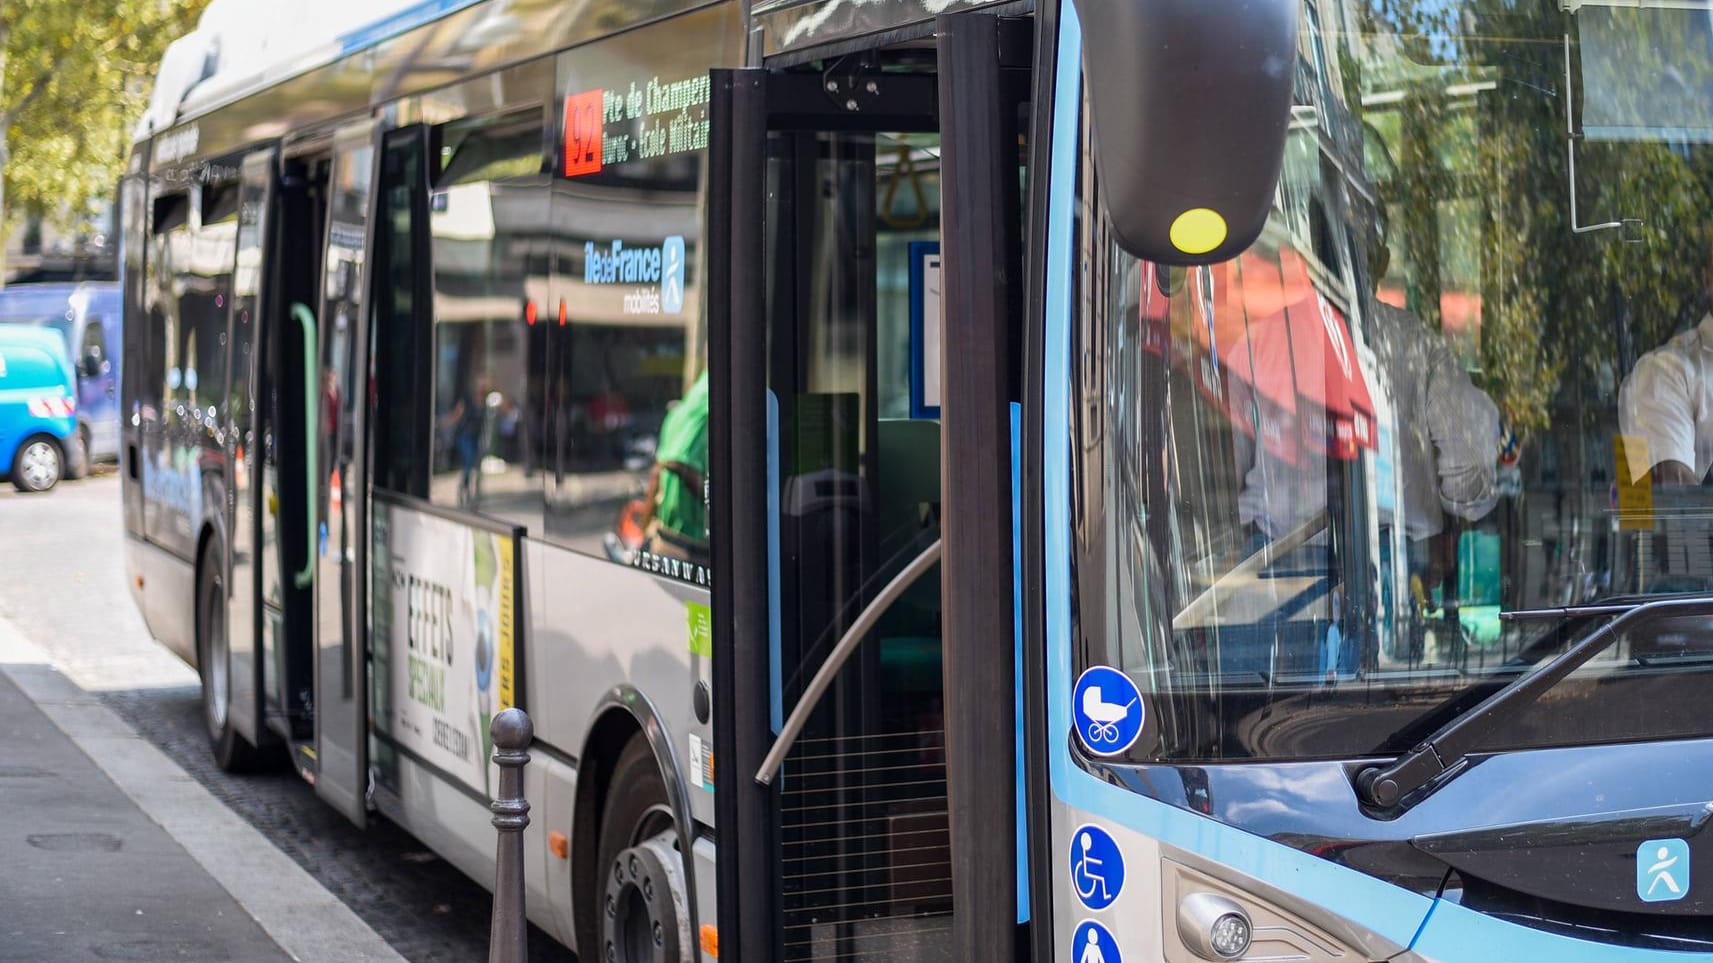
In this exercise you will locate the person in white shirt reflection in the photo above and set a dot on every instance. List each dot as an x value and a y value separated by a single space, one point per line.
1667 401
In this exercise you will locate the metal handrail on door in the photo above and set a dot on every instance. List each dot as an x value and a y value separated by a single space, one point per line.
837 658
311 427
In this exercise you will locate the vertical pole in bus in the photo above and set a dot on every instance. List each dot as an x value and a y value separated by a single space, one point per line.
508 935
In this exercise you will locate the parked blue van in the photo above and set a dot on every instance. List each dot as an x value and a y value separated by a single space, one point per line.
38 406
86 315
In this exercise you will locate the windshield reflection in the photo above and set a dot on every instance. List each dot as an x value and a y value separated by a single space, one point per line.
1466 371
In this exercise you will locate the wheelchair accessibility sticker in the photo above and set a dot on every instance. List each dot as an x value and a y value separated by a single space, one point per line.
1662 870
1108 710
1097 867
1092 943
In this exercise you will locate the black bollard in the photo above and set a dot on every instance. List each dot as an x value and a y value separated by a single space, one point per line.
508 936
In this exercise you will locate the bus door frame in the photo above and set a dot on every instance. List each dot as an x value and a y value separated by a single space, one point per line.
747 104
341 670
984 62
245 619
288 632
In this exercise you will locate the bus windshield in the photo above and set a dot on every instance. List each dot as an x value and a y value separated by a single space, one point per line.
1327 493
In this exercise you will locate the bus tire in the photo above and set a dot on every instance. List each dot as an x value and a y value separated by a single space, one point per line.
232 753
642 910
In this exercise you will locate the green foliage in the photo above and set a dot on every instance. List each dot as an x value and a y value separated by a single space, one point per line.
1562 315
76 78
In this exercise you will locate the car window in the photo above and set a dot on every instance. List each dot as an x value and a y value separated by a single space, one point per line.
94 341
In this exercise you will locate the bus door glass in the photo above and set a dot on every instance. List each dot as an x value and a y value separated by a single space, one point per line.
134 227
843 471
340 659
255 189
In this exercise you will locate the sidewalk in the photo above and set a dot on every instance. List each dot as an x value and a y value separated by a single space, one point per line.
110 851
85 875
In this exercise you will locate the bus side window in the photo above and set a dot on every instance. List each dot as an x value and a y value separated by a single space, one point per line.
169 233
402 363
491 275
627 389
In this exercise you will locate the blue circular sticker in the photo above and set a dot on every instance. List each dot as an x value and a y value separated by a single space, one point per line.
1097 867
1093 943
1107 709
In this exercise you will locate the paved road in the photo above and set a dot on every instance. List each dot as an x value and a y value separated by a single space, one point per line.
62 583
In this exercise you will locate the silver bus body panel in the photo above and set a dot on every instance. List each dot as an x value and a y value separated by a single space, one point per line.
459 828
622 631
793 25
166 596
619 640
476 41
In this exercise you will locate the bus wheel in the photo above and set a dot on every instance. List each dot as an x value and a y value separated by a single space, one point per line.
645 914
231 752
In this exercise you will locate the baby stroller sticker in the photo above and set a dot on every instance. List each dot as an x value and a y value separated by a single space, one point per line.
1108 710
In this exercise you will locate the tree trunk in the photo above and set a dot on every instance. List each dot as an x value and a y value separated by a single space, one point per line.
5 221
5 147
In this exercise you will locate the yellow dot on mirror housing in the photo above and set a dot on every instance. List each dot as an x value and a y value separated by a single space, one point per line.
1198 231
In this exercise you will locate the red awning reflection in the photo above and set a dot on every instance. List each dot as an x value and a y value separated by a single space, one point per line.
1286 370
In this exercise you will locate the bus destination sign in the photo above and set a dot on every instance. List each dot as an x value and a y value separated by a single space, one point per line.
608 126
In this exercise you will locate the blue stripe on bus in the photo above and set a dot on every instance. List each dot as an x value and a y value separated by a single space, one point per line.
1388 910
405 20
776 696
1017 654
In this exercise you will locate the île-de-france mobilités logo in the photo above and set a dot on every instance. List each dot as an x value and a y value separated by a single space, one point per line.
654 274
1662 870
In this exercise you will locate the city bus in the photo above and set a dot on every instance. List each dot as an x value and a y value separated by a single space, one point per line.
956 480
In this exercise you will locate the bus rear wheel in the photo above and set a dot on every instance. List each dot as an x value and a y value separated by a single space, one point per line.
644 911
232 752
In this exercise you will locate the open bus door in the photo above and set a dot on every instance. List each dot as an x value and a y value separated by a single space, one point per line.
341 540
313 501
864 688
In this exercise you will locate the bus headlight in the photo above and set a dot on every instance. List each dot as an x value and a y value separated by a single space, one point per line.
1214 927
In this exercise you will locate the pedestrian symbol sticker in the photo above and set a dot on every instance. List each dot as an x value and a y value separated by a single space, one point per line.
1662 870
1097 867
1108 710
1093 944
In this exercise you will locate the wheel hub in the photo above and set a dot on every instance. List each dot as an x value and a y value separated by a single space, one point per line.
646 916
40 464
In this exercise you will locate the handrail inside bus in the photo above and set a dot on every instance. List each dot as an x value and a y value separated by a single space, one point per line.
311 393
836 659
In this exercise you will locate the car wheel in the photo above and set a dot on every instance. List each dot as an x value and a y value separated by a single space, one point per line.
643 910
231 751
80 463
38 465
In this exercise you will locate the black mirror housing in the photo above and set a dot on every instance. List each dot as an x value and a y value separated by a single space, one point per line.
1190 108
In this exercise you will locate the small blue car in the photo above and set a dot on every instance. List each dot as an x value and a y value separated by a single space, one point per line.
38 406
86 314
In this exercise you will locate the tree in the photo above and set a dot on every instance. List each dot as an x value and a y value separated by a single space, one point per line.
74 78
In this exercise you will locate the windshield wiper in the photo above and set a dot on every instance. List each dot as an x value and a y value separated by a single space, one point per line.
1446 753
